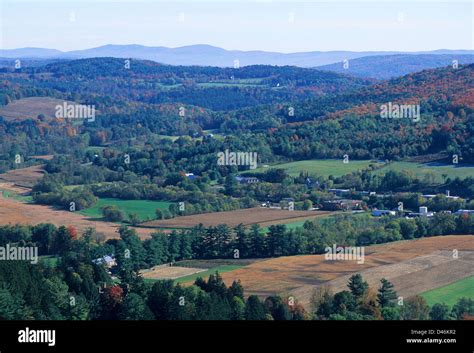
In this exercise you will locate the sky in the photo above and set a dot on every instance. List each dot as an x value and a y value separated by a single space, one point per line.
269 25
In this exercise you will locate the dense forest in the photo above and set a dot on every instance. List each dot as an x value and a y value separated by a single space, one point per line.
77 287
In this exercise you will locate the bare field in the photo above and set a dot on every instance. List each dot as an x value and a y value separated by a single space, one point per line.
26 177
170 272
21 190
417 275
30 108
413 266
249 216
206 264
17 212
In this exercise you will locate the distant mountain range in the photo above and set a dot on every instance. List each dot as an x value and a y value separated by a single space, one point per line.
389 66
206 55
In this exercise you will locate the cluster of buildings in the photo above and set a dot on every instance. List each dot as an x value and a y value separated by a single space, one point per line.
350 204
342 202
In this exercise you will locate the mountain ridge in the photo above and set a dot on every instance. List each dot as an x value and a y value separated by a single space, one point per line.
208 55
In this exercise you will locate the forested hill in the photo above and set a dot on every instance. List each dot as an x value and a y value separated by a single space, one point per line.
444 86
290 122
103 67
390 66
331 126
117 81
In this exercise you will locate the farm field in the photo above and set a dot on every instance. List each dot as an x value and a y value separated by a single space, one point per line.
16 211
183 272
8 193
163 272
211 266
262 216
145 209
451 293
323 167
30 108
413 266
321 219
26 177
205 274
436 170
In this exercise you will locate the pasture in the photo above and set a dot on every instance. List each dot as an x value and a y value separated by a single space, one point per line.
320 167
145 209
433 171
248 216
451 293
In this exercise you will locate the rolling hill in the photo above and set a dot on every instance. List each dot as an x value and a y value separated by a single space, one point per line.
207 55
390 66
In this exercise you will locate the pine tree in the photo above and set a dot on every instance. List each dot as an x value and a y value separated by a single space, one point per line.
358 286
386 295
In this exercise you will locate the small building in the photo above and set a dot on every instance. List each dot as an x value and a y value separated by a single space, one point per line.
366 193
448 196
246 180
107 260
272 205
422 212
344 205
190 176
380 213
462 212
340 192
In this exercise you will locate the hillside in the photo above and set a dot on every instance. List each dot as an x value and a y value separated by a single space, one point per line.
390 66
207 55
108 83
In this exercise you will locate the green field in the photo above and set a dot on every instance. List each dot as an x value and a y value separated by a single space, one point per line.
323 167
9 194
143 208
451 293
435 170
297 224
203 274
320 219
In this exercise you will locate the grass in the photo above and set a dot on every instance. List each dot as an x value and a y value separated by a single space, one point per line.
204 274
145 209
451 293
435 170
323 167
168 137
293 225
49 260
95 149
15 196
321 219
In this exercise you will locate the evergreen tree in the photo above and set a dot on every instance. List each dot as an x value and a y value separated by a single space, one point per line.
386 295
358 286
255 309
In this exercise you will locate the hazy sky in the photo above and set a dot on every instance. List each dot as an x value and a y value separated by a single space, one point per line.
284 26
